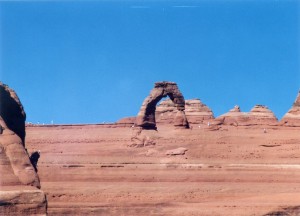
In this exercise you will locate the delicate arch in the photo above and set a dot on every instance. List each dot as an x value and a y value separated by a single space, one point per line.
146 115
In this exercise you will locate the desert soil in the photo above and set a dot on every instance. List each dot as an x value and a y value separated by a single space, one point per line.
90 170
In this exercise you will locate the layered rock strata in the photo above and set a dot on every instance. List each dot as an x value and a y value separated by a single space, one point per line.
292 117
146 116
195 111
259 115
127 121
22 200
16 168
262 115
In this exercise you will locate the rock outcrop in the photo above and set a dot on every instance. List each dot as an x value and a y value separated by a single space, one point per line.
16 168
22 200
127 121
259 115
12 111
196 112
262 115
292 117
140 139
285 211
233 117
146 115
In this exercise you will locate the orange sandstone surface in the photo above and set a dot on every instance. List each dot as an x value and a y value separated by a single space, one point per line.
234 170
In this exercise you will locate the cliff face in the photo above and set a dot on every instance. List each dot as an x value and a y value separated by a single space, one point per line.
195 111
17 171
292 117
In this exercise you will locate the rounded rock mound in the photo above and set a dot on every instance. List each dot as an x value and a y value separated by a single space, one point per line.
292 117
259 115
196 112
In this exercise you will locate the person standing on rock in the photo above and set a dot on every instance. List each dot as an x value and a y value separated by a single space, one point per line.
1 129
34 157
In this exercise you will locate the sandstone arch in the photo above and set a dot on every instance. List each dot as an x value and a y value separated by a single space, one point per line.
146 115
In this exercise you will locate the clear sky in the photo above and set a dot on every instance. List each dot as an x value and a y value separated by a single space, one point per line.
95 61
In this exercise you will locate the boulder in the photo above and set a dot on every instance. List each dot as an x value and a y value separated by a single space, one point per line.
22 200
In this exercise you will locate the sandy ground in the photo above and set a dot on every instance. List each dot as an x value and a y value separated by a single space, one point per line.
89 169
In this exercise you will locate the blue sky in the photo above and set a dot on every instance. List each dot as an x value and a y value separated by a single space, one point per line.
95 61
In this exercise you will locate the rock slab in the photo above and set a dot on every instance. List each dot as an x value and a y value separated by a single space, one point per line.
20 200
177 151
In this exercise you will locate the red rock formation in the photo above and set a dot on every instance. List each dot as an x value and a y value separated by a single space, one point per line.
12 111
22 200
195 111
127 121
16 168
233 117
285 211
259 115
146 115
177 151
262 115
165 112
292 117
